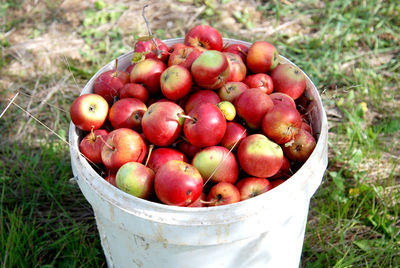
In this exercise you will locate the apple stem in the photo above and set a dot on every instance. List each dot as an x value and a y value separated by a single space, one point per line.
186 117
105 143
148 155
212 201
150 33
241 51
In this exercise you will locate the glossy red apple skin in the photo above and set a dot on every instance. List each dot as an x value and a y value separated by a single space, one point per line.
306 127
217 164
259 157
108 84
178 183
262 57
91 145
161 123
89 111
188 149
200 97
204 37
136 179
160 156
207 127
252 186
223 193
132 90
237 68
127 113
279 98
147 73
210 70
175 82
237 49
289 79
252 105
284 172
301 148
129 68
111 179
126 146
151 50
234 133
261 81
281 123
184 56
231 90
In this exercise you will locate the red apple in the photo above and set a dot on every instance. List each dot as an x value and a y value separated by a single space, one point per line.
237 49
237 68
89 111
160 156
284 172
223 193
135 179
188 149
206 127
91 145
306 127
108 84
262 57
178 183
252 105
301 147
289 79
199 201
148 72
276 182
231 90
176 82
261 81
210 70
204 37
149 49
127 113
132 90
217 164
130 67
251 186
259 157
234 133
200 97
184 56
121 146
111 179
161 123
279 98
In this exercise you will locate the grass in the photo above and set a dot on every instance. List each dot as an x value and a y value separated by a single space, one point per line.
350 49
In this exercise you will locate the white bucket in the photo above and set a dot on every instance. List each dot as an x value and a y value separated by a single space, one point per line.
264 231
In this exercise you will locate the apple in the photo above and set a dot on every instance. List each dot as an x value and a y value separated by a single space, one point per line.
184 56
161 123
301 147
200 97
204 37
132 90
279 98
135 179
111 179
281 123
259 157
121 146
175 82
199 201
217 164
160 156
188 149
149 49
261 81
237 68
277 182
262 57
91 145
223 193
178 183
289 79
129 68
89 111
231 90
252 105
227 109
251 186
210 70
237 49
306 127
234 133
284 172
206 125
148 72
127 113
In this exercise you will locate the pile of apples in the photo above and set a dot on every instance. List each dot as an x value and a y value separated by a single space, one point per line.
200 123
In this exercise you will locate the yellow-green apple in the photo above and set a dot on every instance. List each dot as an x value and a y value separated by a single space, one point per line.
237 68
237 49
200 97
161 123
205 125
251 186
223 193
261 81
127 113
262 57
147 73
259 157
289 79
217 164
227 109
178 183
204 37
160 156
231 90
89 111
108 84
175 82
252 105
121 146
210 70
91 145
279 98
301 147
149 49
234 133
183 55
284 172
132 90
136 179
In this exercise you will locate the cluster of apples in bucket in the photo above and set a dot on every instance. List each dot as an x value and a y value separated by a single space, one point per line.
200 123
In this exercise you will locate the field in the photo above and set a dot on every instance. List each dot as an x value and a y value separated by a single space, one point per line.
350 49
